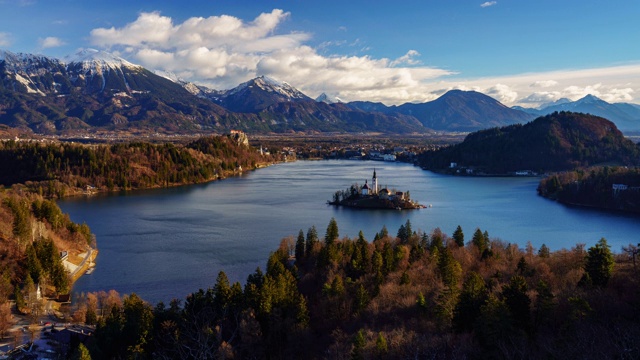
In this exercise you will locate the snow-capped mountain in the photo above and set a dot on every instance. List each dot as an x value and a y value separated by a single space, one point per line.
258 94
95 89
90 70
27 72
92 59
328 99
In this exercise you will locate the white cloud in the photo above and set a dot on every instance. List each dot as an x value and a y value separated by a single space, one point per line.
223 51
407 59
5 39
502 93
542 97
488 3
50 42
612 84
544 83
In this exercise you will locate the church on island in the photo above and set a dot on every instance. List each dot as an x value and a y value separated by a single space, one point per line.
370 196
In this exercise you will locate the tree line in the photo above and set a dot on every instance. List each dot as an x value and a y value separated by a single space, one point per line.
53 169
414 295
594 187
32 232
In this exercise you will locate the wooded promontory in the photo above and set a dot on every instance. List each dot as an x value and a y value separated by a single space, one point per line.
60 169
556 142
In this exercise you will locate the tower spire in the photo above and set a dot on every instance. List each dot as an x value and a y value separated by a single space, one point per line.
374 183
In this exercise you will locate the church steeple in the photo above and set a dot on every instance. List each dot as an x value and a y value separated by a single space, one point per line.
374 183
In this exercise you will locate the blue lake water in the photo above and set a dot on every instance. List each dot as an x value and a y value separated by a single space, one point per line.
167 243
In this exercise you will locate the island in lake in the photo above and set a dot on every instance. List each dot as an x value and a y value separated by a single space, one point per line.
369 196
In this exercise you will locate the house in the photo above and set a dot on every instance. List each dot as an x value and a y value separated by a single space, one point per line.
384 193
365 189
76 333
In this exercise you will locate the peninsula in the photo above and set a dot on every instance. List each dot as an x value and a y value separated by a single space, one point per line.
371 197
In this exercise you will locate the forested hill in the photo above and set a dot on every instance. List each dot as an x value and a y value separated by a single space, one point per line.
611 188
416 295
33 231
559 141
56 169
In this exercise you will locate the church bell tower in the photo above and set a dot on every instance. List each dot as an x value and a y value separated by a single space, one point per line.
374 183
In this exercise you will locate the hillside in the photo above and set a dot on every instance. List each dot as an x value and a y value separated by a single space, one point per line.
33 231
95 89
464 111
454 111
608 188
416 295
61 169
560 141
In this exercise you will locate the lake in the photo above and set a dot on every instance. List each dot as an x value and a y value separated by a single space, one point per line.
166 243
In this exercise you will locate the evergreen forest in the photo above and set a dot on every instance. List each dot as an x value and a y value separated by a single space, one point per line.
606 187
61 169
407 295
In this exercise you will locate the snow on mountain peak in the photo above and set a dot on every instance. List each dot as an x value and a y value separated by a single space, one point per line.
328 99
90 57
270 85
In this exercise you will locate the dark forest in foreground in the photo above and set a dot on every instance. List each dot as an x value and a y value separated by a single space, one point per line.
414 295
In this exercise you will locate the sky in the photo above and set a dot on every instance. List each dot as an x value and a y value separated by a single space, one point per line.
520 52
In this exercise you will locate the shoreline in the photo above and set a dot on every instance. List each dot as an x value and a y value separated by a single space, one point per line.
84 266
75 191
93 252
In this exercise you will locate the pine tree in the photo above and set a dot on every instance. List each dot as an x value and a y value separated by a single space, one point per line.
544 251
361 299
473 296
381 345
479 241
332 232
359 342
383 232
518 302
300 242
312 238
599 265
458 236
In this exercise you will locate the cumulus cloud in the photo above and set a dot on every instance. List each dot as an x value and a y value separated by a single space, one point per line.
488 3
612 84
223 51
50 42
5 39
539 98
502 93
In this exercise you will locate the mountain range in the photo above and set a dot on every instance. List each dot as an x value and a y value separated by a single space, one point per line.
96 90
626 116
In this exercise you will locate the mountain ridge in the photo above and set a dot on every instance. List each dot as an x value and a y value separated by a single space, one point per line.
95 89
626 116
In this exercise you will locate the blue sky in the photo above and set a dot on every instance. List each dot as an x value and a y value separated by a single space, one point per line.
520 52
